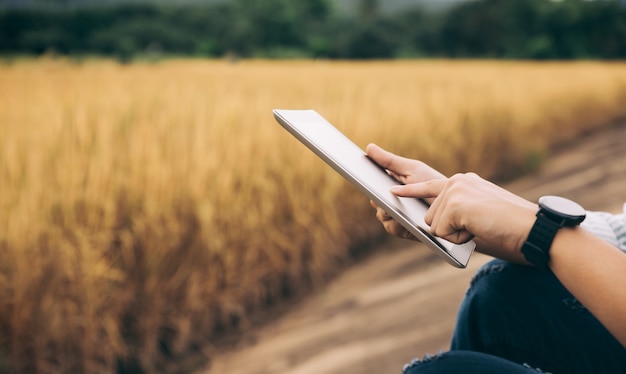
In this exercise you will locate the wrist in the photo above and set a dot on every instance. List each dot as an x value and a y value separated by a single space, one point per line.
512 235
526 224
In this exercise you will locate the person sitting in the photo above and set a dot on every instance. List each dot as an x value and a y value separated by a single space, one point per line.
553 299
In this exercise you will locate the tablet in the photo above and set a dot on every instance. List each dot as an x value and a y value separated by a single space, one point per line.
353 164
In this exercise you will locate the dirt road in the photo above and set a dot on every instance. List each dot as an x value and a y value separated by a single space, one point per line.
401 303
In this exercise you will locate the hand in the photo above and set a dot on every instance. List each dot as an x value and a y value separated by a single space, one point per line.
466 205
405 171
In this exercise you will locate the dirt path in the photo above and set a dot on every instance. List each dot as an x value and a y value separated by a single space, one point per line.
402 303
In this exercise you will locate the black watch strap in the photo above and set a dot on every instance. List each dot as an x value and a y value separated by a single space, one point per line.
536 249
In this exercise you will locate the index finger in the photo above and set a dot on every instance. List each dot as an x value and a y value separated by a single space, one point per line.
422 190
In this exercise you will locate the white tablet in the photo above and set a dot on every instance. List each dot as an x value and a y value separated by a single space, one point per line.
353 164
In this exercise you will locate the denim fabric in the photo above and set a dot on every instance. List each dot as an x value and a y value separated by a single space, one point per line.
525 315
515 318
455 362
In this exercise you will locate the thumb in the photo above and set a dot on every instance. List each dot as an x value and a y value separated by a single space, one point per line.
389 161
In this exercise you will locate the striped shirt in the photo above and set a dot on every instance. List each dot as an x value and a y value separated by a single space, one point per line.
610 227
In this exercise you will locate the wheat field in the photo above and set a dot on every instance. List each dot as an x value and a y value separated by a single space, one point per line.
147 209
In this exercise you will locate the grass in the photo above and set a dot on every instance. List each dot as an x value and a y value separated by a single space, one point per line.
146 209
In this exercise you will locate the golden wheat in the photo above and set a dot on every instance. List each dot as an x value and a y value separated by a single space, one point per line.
147 208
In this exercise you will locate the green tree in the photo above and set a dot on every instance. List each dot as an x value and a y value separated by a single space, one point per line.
368 10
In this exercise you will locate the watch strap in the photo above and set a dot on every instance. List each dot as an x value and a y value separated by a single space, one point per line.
536 249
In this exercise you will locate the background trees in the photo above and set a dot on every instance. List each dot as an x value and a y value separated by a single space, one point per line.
526 29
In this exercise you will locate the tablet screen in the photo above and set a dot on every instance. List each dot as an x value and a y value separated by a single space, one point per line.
352 163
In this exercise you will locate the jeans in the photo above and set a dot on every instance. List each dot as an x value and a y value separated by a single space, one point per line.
519 319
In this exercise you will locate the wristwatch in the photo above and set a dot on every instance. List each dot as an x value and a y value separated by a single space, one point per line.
554 212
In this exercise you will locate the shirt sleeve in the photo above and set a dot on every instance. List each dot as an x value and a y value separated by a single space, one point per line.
610 227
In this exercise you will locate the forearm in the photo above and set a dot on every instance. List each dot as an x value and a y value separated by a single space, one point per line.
595 273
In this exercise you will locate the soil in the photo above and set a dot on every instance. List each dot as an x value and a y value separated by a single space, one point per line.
401 302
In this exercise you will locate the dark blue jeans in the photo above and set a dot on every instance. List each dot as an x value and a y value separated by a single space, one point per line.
518 319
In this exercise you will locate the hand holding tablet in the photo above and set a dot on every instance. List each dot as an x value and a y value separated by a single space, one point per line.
373 180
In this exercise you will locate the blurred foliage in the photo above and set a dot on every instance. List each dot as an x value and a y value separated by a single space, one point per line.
526 29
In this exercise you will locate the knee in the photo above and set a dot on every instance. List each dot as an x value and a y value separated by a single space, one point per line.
500 282
465 362
496 296
489 284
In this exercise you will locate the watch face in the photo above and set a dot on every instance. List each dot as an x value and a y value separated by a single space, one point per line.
562 207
